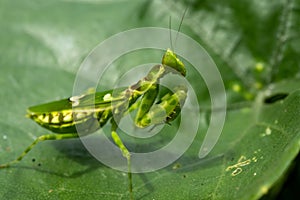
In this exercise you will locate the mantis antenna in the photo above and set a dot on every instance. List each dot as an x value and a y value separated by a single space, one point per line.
180 24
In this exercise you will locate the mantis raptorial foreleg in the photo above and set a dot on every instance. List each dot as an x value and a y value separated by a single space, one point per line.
161 112
146 103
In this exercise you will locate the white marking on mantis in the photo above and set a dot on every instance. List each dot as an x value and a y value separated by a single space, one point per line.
75 99
107 97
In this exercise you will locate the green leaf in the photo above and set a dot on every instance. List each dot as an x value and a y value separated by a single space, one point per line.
255 46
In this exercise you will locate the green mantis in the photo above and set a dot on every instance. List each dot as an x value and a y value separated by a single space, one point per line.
87 113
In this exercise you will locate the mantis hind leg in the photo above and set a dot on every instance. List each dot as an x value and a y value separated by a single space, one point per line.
125 152
35 142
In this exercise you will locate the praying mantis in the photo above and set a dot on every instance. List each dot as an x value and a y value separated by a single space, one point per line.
89 112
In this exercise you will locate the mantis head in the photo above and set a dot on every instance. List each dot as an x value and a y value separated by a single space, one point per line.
170 59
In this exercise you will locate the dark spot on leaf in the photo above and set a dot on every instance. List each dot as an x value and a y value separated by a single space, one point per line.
275 97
